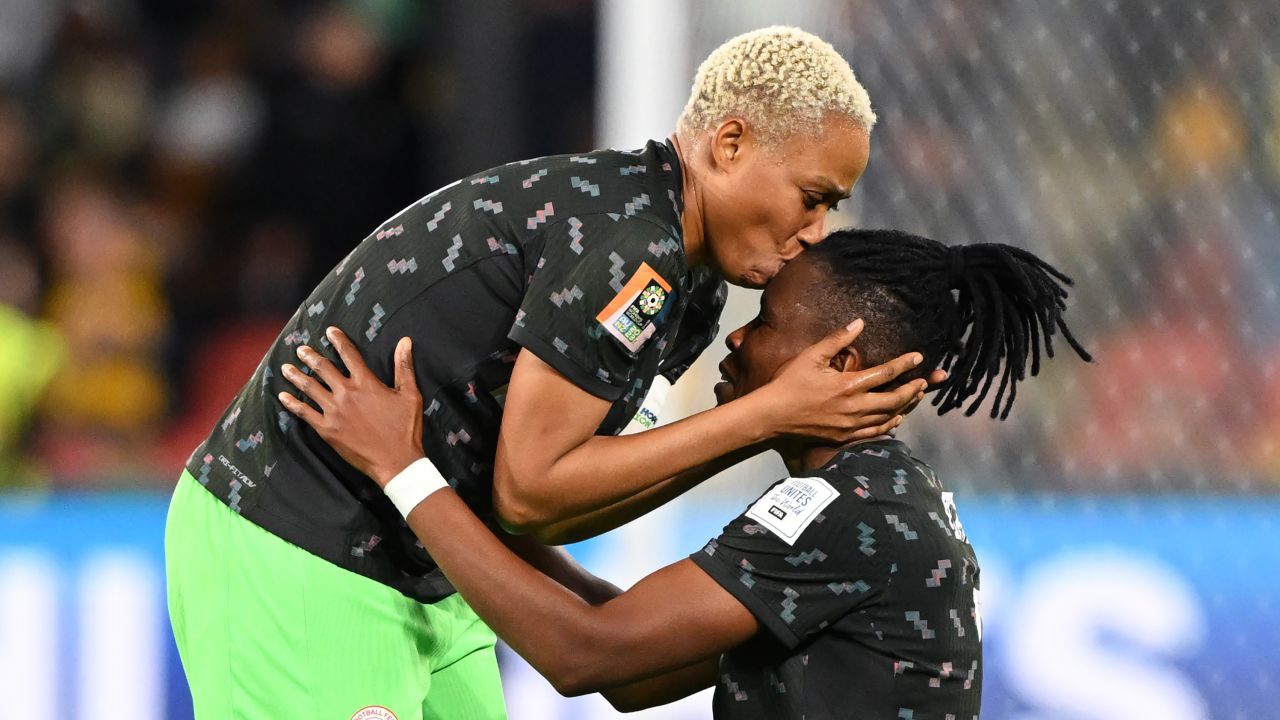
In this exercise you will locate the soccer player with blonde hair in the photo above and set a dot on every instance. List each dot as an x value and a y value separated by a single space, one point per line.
548 298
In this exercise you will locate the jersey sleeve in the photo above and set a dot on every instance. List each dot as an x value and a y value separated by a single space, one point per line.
599 292
803 555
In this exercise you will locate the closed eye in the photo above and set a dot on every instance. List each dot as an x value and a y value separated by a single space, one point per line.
813 200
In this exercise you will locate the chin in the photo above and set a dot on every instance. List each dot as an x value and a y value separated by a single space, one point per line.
724 392
753 279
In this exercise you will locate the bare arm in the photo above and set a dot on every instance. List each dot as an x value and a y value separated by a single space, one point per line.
557 564
665 688
581 648
649 649
598 522
551 467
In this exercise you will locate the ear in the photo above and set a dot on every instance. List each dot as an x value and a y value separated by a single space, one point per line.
849 359
727 143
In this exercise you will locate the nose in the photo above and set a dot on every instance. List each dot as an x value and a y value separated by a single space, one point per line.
812 233
734 340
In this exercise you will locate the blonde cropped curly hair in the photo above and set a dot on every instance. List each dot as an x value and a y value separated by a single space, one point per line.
782 80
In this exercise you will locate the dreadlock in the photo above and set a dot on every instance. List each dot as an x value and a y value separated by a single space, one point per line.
977 311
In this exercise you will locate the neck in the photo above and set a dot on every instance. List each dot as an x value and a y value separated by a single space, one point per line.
806 458
691 217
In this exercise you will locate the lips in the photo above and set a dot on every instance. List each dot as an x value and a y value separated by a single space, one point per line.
725 374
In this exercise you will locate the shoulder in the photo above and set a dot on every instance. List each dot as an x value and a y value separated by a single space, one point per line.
879 470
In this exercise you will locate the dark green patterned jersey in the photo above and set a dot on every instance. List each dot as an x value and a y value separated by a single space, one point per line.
866 591
579 259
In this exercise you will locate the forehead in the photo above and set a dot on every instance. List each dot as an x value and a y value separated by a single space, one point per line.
836 154
791 291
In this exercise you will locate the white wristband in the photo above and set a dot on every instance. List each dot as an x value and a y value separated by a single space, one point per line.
413 484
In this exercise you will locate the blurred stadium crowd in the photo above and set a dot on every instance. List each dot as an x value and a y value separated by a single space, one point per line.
175 176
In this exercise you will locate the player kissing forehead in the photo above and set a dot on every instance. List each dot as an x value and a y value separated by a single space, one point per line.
776 132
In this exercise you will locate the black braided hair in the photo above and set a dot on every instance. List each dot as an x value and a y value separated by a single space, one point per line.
977 311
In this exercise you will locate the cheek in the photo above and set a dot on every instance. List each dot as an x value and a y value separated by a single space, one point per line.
760 361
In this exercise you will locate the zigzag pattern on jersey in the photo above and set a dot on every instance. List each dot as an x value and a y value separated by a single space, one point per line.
529 181
234 495
355 285
841 588
806 558
636 204
489 206
541 216
901 527
590 188
375 322
568 295
203 477
666 246
913 617
789 605
899 481
297 337
406 265
250 442
575 233
938 574
455 252
435 220
866 543
616 271
390 232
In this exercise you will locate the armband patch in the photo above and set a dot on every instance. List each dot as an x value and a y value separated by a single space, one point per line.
629 316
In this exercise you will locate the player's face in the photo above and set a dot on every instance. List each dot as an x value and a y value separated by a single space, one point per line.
763 205
784 328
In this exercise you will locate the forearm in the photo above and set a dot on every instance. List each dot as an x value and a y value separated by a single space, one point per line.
598 522
664 688
603 471
559 565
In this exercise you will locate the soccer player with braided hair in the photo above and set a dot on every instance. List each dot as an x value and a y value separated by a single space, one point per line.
848 589
553 300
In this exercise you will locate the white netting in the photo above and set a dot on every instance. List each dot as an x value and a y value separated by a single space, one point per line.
1135 146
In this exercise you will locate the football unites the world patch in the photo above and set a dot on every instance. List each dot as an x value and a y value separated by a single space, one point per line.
630 315
788 508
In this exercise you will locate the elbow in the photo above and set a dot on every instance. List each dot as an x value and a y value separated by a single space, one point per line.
516 509
573 682
625 702
596 674
586 664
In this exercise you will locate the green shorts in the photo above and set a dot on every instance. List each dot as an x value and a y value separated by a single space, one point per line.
268 630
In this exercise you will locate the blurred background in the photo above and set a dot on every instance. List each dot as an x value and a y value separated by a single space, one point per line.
174 178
